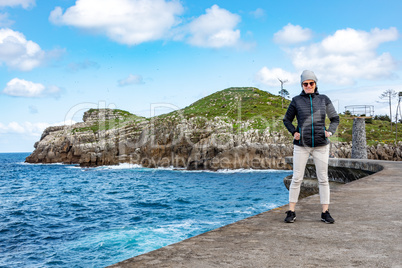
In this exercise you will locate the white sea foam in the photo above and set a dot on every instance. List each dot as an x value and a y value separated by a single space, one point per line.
250 170
46 164
147 237
170 168
120 166
123 166
240 170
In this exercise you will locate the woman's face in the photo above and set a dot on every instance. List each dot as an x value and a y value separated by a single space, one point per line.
308 86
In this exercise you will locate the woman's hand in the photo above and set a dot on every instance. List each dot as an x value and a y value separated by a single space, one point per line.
328 134
296 136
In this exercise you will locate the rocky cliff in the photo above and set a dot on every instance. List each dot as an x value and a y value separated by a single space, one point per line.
226 130
160 143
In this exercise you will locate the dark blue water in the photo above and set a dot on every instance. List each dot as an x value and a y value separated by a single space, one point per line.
66 216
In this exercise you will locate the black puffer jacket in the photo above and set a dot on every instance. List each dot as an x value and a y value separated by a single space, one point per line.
310 111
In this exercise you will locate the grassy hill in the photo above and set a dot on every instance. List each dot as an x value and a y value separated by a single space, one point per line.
237 105
263 109
377 131
249 108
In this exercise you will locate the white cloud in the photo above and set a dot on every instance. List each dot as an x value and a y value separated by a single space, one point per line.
22 88
4 21
351 95
353 41
29 128
13 3
87 64
19 53
258 13
127 22
348 55
292 34
131 80
270 77
26 128
215 29
138 21
342 58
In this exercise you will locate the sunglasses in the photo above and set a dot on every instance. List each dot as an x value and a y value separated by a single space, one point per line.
310 83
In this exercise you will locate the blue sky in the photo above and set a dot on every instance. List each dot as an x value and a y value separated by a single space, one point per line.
60 58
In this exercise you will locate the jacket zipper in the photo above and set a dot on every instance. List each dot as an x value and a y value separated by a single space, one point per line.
300 135
312 121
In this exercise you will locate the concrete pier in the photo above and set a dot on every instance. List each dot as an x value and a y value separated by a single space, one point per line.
367 232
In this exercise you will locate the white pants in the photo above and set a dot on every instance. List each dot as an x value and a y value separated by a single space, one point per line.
300 157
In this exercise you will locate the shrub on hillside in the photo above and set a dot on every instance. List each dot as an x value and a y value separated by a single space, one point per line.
382 118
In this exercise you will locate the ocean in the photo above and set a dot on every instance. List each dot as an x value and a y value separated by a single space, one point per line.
67 216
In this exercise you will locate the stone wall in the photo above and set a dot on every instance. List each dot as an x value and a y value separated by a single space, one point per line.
391 152
340 171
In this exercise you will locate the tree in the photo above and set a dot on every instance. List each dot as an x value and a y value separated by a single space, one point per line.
389 94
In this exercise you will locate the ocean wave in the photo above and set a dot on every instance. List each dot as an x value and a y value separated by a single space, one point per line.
123 166
46 164
251 210
69 216
137 240
240 170
120 166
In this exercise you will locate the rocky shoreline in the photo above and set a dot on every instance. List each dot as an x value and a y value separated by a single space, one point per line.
106 138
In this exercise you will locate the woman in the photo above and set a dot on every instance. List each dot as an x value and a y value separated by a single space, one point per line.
310 138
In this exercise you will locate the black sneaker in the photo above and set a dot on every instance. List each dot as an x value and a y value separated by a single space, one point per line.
326 217
290 217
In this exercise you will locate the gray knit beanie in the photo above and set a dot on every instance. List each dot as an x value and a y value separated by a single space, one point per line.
308 75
